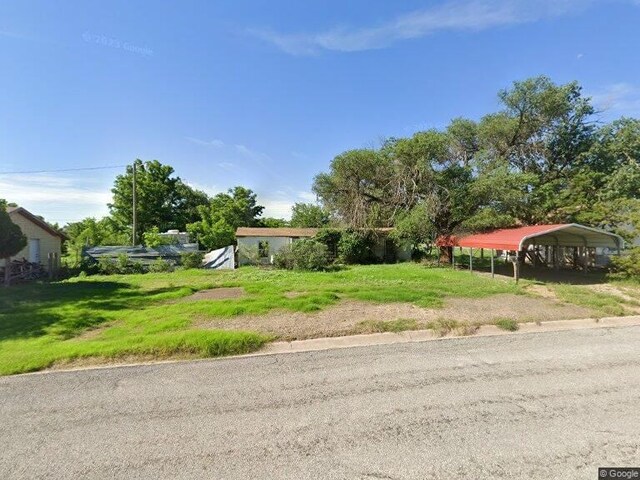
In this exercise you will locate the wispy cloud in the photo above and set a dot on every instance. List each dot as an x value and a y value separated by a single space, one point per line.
58 198
278 204
618 99
207 143
452 15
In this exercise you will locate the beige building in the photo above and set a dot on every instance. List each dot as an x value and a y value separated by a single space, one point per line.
42 240
265 243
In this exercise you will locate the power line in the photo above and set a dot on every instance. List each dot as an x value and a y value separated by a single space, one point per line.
63 170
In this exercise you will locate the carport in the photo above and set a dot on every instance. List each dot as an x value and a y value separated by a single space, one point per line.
543 244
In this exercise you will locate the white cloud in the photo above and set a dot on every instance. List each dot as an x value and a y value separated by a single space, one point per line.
278 204
208 143
57 198
618 99
307 197
452 15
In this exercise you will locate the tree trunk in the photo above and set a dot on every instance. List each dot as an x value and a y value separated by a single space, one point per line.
446 254
7 271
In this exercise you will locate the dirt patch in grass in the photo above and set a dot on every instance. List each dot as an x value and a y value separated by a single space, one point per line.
222 293
541 291
348 317
294 294
632 303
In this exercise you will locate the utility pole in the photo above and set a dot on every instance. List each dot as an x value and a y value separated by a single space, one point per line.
134 219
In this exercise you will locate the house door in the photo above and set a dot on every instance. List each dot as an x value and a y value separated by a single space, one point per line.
34 250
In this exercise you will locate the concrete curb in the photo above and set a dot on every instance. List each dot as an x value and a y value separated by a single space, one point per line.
411 336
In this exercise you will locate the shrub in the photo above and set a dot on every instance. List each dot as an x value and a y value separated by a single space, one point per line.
284 258
191 259
304 254
107 266
628 265
121 265
356 247
331 238
160 265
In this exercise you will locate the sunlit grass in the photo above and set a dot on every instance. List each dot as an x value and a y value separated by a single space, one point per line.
124 315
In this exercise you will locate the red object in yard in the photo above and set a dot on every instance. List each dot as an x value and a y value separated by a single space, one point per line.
446 241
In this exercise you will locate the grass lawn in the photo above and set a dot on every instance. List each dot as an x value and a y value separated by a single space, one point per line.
149 316
143 315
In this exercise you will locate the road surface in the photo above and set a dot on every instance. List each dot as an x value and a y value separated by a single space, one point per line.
535 406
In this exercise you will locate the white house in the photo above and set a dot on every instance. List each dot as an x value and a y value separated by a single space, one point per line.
265 242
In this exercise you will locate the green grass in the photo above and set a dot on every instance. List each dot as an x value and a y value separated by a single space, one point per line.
507 324
141 315
587 297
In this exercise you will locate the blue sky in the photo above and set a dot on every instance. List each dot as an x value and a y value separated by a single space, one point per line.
266 93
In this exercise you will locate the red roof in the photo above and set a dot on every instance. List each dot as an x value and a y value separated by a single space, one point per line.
568 234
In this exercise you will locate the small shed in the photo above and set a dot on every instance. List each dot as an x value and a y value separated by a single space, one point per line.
44 243
267 241
543 244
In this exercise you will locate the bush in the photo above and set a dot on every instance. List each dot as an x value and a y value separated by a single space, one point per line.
121 265
284 258
304 254
107 266
628 265
356 247
331 238
191 259
160 265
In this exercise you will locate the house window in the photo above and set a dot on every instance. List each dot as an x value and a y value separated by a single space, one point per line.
263 249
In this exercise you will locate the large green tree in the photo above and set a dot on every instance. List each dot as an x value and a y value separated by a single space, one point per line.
163 200
308 215
12 240
540 159
223 215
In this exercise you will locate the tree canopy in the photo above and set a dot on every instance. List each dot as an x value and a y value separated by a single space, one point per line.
12 240
542 158
223 215
308 215
162 199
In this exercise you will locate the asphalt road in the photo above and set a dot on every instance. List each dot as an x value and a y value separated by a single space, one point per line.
535 406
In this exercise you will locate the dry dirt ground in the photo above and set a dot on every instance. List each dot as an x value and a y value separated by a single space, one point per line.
348 317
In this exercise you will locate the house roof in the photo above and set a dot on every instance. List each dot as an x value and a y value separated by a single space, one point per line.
37 220
276 232
567 235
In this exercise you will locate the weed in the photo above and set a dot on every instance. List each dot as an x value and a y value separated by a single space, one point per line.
507 324
380 326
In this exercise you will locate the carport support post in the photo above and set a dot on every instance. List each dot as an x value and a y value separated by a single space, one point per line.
471 259
492 268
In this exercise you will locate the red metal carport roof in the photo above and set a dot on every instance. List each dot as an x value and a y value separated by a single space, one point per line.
567 234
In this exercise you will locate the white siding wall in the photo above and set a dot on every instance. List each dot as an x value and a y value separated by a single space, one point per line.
275 244
403 252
